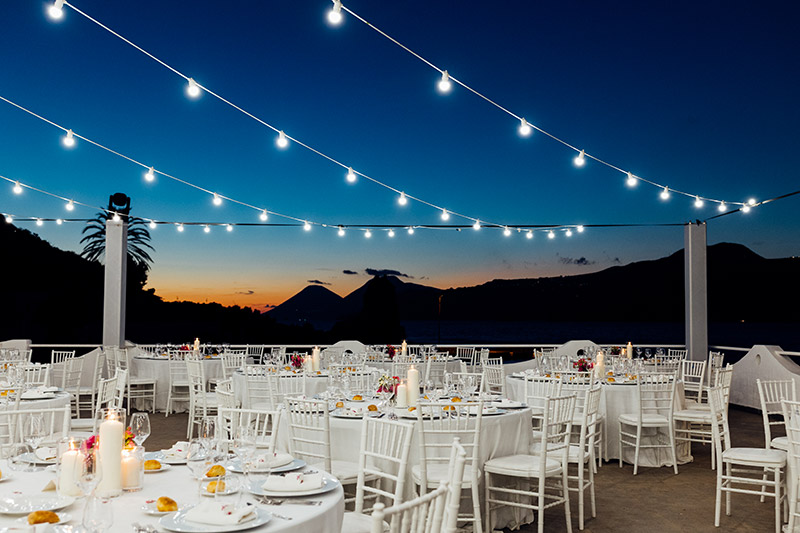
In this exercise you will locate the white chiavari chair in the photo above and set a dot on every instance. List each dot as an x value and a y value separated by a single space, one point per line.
494 377
202 403
136 388
178 380
265 425
87 395
791 414
770 395
693 374
261 387
36 374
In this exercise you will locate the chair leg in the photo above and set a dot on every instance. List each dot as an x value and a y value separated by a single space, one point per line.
763 487
636 452
476 506
487 483
580 496
778 520
792 504
728 469
540 508
620 444
565 494
591 494
718 499
672 448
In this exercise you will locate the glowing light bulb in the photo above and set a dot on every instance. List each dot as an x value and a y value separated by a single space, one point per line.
529 235
580 159
551 235
665 194
180 227
116 217
341 231
411 231
402 200
9 219
152 224
282 141
580 229
525 128
70 205
745 208
39 222
150 175
445 215
391 233
445 84
507 232
569 232
17 188
59 221
751 201
206 229
698 203
228 227
193 90
56 11
335 14
68 140
722 207
631 182
351 176
217 200
368 234
476 225
307 226
263 216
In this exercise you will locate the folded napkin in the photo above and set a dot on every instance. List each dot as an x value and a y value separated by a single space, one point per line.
293 482
179 450
273 460
45 453
219 514
35 394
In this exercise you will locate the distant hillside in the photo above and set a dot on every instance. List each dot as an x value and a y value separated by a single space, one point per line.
314 303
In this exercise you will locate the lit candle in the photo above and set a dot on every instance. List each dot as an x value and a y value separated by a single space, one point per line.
404 348
70 471
197 344
110 454
412 380
132 468
315 359
401 397
629 350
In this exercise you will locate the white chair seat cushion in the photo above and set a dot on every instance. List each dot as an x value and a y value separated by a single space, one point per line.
648 420
693 415
438 472
755 456
522 466
576 453
694 406
780 443
359 523
345 471
142 381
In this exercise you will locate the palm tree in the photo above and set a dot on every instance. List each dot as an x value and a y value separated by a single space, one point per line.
138 240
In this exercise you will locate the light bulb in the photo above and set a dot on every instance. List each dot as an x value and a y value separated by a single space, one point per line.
411 231
580 229
445 215
69 139
525 128
351 176
751 201
282 141
391 233
569 232
17 188
150 175
529 235
39 222
307 226
152 224
217 200
116 217
476 225
551 235
59 221
745 208
722 207
507 232
335 14
698 203
402 200
206 229
70 205
631 182
193 90
263 216
580 159
665 194
9 219
341 231
180 227
368 234
445 84
228 227
56 11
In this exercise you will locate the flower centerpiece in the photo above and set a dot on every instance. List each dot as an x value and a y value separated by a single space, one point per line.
616 350
127 441
390 351
388 385
297 361
583 365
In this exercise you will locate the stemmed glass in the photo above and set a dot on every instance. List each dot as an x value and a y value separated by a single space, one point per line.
208 431
97 512
140 427
98 515
34 430
198 457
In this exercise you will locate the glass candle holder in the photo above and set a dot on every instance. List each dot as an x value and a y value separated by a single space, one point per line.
70 456
132 468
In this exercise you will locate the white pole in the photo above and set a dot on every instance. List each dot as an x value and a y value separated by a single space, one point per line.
696 290
115 283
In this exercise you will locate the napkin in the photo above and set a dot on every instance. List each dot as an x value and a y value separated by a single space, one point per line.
45 454
274 460
219 514
179 450
51 486
36 394
293 482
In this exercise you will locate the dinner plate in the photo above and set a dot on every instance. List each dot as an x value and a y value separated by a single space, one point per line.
164 466
63 518
37 396
27 503
151 507
339 413
236 466
177 522
33 459
170 460
328 484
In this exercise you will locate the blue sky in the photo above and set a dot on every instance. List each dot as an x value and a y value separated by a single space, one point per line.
698 97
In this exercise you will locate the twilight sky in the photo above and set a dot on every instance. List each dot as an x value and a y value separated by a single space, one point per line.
699 96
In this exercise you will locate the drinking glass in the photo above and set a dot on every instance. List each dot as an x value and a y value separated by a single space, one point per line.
244 443
196 458
21 458
208 430
140 427
34 430
639 352
90 471
98 515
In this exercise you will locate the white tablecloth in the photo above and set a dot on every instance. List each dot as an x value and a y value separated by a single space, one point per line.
315 384
178 485
61 399
158 368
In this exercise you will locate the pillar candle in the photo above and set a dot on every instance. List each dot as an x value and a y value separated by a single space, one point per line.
401 396
404 348
315 359
132 466
197 344
629 350
412 380
70 472
110 455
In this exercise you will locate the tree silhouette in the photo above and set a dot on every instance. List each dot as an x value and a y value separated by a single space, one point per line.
138 240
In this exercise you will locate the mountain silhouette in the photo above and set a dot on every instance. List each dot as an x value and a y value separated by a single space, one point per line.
312 304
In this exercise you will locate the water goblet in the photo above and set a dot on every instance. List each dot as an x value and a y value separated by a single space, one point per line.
98 515
208 430
34 430
140 427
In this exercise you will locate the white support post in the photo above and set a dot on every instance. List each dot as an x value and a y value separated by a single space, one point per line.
696 290
115 283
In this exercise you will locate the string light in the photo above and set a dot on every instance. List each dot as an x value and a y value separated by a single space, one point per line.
192 89
631 182
39 222
402 200
477 225
569 232
17 188
150 175
580 229
153 224
206 229
665 193
445 215
263 216
180 227
351 176
722 207
391 233
507 232
116 217
341 231
59 221
411 231
217 200
751 201
368 234
580 159
56 11
70 205
282 141
746 208
551 235
307 226
524 128
529 235
445 84
9 219
698 203
69 139
335 14
228 227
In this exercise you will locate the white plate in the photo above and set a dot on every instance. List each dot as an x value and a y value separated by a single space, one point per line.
44 396
27 503
177 522
228 490
164 466
509 404
159 456
236 466
328 484
6 477
151 507
31 458
63 518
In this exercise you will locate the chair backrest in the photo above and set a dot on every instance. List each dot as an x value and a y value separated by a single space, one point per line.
106 397
458 458
693 374
309 431
791 413
56 423
59 356
494 377
435 369
197 382
36 374
120 388
678 354
290 385
73 369
255 351
656 394
590 429
232 360
423 514
770 394
226 398
264 423
400 366
466 354
261 386
720 433
383 457
460 378
556 429
178 373
539 388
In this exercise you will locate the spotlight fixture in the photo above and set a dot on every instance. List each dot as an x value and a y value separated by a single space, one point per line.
152 224
476 225
507 232
631 181
116 217
70 205
307 226
217 200
580 229
698 202
228 227
59 221
335 14
180 227
402 200
56 11
206 229
665 194
529 235
391 233
17 188
722 207
411 231
445 215
341 231
569 232
39 222
551 235
368 234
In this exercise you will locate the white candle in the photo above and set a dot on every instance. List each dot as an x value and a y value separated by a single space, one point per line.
315 359
70 472
412 379
132 470
404 348
197 344
401 396
110 455
600 365
629 350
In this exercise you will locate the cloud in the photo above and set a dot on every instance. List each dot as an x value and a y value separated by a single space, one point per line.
616 260
580 261
350 272
318 282
245 292
386 272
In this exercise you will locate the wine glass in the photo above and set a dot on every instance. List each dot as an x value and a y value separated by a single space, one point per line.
98 515
244 443
34 430
208 430
197 456
89 470
140 427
